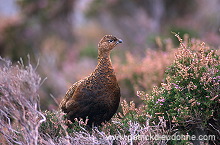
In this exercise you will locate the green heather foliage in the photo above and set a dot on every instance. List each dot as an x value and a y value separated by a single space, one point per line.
190 95
53 126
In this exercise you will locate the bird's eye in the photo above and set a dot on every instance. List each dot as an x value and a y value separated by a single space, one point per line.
110 41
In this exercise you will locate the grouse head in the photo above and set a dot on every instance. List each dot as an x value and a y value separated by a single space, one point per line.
108 42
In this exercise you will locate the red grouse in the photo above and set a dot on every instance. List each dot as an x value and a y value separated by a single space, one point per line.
98 95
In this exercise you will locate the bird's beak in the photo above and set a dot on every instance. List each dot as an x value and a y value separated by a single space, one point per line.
119 41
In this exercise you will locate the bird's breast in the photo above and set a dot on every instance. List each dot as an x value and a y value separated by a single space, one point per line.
100 85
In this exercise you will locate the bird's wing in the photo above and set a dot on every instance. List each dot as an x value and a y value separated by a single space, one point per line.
68 96
76 97
80 102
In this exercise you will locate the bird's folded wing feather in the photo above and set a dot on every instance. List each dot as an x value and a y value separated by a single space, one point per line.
69 95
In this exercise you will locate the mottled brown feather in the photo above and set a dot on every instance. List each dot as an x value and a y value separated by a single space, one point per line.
98 95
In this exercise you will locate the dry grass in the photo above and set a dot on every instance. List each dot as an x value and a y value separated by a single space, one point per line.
20 116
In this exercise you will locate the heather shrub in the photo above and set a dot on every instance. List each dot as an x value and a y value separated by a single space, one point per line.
19 111
120 121
54 125
190 95
127 127
132 126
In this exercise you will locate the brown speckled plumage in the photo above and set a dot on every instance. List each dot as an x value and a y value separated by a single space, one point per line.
98 95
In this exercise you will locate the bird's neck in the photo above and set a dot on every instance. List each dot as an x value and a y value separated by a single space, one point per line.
104 60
